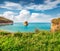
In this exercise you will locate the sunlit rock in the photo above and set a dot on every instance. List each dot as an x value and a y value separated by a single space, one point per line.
25 23
55 25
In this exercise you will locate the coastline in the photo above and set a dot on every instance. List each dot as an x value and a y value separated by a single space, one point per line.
19 27
1 24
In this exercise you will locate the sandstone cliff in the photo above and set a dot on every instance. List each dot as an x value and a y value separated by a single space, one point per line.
5 21
55 25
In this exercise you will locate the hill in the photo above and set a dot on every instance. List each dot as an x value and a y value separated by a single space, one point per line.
38 41
55 25
5 21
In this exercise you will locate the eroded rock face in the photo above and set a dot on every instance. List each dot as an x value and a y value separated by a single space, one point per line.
4 21
55 25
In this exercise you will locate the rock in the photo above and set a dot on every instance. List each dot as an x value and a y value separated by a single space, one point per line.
55 25
5 21
25 23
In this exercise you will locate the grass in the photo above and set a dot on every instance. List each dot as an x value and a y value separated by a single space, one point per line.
37 41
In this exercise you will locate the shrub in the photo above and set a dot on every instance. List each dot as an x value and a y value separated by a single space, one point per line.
41 41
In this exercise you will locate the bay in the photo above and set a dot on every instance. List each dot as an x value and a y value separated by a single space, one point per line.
19 27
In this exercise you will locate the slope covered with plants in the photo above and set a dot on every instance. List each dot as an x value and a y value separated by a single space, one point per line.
37 41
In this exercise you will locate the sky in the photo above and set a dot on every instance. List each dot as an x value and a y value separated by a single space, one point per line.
30 10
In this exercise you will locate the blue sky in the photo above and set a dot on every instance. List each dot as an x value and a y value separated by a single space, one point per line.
30 10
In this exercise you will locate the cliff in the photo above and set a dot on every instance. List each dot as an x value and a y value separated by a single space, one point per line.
5 21
55 25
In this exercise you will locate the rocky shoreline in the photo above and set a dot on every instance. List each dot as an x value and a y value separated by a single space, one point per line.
1 24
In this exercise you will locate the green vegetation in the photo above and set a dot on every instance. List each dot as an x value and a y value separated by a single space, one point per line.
38 41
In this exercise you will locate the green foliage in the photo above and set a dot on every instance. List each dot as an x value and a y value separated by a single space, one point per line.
4 33
40 41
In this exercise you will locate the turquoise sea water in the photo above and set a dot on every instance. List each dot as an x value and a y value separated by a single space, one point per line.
19 27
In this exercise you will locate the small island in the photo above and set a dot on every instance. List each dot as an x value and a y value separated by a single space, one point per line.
25 23
5 21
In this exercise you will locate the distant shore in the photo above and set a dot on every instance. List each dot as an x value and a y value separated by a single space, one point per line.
1 24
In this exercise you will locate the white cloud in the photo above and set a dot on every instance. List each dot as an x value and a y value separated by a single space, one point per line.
47 1
11 6
40 17
58 15
34 17
8 15
25 15
0 14
46 6
18 6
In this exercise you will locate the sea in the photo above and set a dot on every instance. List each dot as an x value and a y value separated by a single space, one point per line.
19 27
